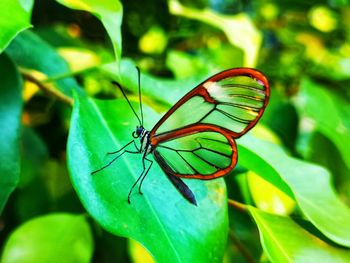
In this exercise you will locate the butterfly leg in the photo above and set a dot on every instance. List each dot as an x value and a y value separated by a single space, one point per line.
142 176
135 145
122 150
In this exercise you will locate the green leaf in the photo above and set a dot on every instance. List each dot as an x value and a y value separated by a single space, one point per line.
257 156
152 86
190 64
286 241
50 238
318 148
110 12
171 228
14 18
29 51
138 253
326 112
34 154
204 61
239 29
281 117
309 184
10 123
243 232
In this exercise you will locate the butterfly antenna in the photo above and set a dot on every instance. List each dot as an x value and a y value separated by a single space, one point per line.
121 89
139 82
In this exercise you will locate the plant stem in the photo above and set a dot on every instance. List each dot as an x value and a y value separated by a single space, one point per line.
47 88
237 205
68 74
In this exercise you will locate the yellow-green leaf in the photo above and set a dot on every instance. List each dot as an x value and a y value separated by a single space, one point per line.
239 29
286 241
14 18
110 12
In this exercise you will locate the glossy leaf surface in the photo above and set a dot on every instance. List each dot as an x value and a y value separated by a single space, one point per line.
286 241
110 12
29 51
309 184
50 238
10 123
14 18
332 119
171 228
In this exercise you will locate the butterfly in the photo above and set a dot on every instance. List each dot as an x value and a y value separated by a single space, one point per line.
196 137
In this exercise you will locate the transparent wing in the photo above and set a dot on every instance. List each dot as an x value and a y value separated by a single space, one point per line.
205 154
233 100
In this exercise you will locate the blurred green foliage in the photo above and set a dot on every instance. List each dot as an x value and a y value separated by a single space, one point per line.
292 182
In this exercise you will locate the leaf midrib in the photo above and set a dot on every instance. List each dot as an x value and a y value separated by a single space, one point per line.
109 132
270 233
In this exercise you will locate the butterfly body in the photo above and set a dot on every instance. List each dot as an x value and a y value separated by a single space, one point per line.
196 137
143 134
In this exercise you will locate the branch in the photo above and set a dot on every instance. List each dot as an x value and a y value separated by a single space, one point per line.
47 88
237 205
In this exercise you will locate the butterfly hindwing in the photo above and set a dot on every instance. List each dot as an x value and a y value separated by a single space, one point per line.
202 152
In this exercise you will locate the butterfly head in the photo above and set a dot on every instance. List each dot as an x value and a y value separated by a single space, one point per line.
138 131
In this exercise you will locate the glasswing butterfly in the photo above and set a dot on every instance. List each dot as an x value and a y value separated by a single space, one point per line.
196 137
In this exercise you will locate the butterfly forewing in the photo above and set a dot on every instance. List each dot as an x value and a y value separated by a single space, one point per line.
233 100
186 115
